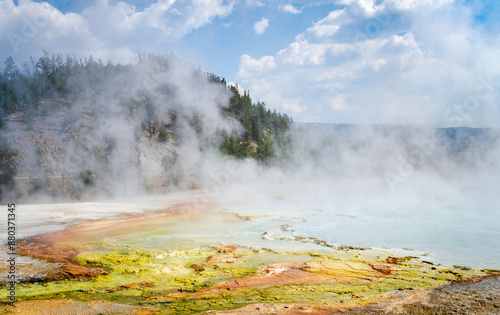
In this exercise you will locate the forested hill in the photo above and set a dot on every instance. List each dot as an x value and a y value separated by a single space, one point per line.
264 134
88 122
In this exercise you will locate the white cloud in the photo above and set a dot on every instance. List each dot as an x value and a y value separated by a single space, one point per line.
362 7
30 27
385 62
250 65
109 31
304 53
255 3
290 9
162 20
261 26
330 25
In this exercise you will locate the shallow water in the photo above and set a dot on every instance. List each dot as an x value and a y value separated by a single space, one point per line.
452 233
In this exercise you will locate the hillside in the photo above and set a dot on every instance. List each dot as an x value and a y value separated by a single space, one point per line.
78 127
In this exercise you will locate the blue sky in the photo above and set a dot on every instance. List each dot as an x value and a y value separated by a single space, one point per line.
434 62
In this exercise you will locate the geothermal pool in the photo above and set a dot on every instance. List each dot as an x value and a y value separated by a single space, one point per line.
304 251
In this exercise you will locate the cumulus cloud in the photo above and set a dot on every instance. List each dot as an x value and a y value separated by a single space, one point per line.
398 62
260 26
290 9
110 31
251 65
